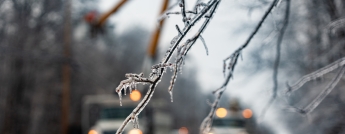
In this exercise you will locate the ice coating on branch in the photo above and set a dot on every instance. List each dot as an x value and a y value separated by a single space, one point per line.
131 81
173 41
164 65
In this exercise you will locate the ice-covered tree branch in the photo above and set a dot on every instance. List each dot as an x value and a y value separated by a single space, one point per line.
311 106
158 70
205 126
314 75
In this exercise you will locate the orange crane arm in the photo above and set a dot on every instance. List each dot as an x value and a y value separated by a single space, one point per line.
154 39
106 15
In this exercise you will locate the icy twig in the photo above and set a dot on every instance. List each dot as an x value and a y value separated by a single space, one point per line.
277 60
183 11
258 26
202 28
204 43
178 29
172 82
131 82
309 108
184 48
157 72
132 79
196 7
315 75
178 13
207 122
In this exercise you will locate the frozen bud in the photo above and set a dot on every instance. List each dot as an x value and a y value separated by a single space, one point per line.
180 4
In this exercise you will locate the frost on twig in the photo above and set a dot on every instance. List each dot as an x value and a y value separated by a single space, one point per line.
159 69
314 75
322 95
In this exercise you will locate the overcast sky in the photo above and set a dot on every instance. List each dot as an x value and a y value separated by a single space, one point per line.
225 33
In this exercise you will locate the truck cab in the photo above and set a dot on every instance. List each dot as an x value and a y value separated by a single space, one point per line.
102 114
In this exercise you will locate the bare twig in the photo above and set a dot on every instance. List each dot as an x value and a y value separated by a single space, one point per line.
157 74
277 60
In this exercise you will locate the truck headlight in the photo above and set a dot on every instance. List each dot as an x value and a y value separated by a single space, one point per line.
93 132
135 131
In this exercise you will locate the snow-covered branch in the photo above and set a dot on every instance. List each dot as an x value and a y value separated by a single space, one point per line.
159 69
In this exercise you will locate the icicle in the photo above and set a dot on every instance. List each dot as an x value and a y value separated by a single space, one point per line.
171 96
135 121
120 97
131 88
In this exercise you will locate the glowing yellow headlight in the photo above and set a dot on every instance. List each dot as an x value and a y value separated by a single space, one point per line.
92 132
221 112
135 95
135 131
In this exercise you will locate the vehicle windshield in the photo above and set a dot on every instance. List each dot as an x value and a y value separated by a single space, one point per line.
116 112
228 123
